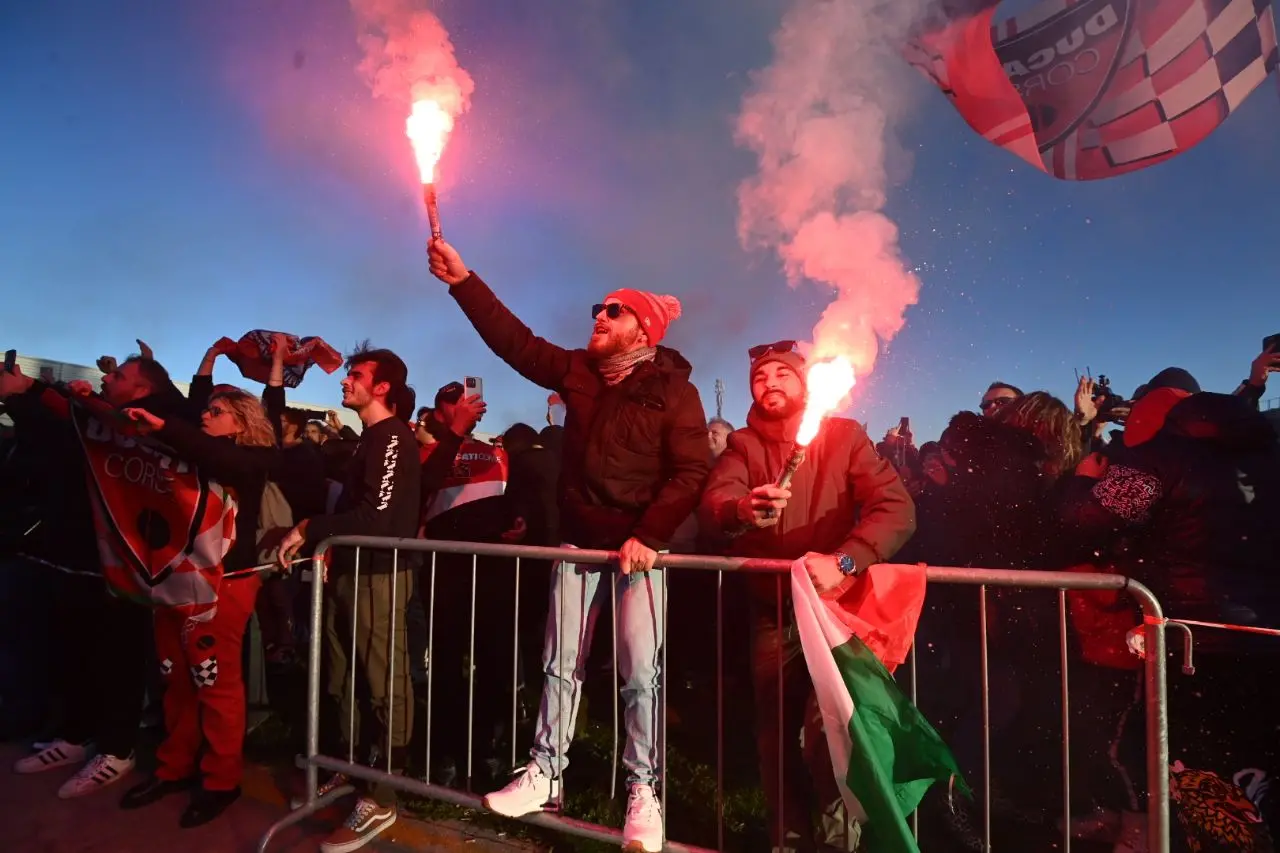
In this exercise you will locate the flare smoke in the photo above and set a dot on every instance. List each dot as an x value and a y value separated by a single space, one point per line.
819 119
408 55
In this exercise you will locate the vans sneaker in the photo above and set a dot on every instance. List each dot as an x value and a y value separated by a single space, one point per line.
366 821
337 780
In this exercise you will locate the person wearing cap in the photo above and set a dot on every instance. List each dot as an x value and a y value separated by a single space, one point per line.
845 509
633 465
1188 507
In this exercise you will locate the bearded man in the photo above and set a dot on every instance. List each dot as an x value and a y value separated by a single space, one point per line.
846 509
634 461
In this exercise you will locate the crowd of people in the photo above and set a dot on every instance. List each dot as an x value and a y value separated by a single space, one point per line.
1176 487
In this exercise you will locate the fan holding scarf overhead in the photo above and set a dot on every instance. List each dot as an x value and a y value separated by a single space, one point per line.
252 354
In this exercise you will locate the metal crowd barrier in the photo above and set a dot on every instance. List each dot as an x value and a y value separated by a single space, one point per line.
1157 742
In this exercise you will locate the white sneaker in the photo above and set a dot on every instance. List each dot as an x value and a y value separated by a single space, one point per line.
335 781
531 791
642 832
57 754
101 771
366 822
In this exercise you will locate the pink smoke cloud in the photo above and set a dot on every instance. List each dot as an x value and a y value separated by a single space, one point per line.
408 54
819 120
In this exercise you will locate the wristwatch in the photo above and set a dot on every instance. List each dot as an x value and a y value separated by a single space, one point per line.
846 564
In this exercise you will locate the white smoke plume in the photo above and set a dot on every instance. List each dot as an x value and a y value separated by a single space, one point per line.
820 119
408 54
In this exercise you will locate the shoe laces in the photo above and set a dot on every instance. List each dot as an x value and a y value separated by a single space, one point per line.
95 766
361 813
329 784
529 775
642 804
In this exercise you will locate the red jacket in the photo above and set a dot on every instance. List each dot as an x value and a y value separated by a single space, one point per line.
635 454
844 497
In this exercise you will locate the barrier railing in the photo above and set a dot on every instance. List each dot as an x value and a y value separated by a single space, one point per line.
1156 716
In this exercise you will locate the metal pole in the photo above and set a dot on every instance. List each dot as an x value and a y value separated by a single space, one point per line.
391 654
613 623
782 736
313 671
471 672
915 813
720 710
1066 723
355 630
431 657
515 665
986 721
1157 713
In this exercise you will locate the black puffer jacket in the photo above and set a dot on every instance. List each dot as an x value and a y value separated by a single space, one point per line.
635 454
1200 503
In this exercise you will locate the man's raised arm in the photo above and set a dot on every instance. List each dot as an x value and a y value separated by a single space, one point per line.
536 359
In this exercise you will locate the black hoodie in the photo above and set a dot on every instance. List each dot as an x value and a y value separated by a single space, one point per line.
1201 504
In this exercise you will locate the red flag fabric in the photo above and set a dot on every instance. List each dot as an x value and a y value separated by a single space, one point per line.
882 608
252 354
163 528
1088 89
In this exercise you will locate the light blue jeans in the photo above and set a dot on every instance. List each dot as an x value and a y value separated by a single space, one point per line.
578 592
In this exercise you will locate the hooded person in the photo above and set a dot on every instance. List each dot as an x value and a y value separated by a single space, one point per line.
1189 509
633 463
845 509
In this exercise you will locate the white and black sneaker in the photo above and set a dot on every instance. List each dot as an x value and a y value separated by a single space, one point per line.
101 771
60 753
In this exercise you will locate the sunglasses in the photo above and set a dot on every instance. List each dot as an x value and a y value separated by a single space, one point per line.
216 411
613 310
764 349
995 403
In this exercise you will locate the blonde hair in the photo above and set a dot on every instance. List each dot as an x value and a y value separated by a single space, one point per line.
255 429
1049 420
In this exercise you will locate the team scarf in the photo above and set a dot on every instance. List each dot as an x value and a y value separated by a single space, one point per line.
252 354
163 527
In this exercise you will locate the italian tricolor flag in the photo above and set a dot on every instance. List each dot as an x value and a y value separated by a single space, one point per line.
884 752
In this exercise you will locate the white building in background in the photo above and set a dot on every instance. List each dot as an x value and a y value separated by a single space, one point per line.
62 371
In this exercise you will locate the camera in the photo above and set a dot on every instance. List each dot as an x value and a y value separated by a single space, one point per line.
1108 402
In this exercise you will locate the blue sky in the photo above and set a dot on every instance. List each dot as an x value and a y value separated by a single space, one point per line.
182 171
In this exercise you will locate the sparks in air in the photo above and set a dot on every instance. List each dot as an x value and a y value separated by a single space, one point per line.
428 128
829 383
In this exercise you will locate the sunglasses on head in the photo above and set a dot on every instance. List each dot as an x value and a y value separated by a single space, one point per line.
613 310
764 349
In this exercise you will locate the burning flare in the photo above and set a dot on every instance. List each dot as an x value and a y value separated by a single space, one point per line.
428 128
829 383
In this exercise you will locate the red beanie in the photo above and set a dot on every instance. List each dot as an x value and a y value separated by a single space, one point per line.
655 311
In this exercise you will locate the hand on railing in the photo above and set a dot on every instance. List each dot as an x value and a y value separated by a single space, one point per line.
289 546
635 556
